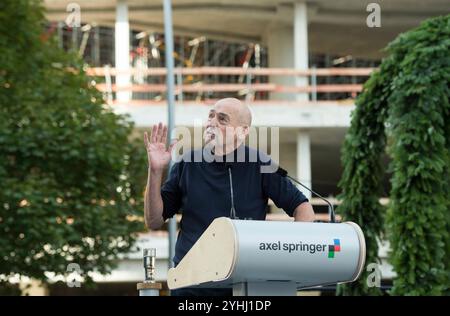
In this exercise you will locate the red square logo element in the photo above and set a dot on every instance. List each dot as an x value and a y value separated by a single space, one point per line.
337 248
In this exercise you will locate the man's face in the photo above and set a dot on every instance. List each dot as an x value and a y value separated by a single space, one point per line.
223 128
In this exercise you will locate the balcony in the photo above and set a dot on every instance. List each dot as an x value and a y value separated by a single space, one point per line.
204 85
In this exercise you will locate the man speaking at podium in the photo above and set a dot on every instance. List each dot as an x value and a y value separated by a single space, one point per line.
207 189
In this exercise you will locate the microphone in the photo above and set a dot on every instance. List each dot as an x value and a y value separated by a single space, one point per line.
284 173
232 210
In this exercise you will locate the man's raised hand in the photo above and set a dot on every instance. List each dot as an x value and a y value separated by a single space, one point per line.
157 152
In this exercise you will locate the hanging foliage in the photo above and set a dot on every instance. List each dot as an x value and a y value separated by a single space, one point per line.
419 118
405 105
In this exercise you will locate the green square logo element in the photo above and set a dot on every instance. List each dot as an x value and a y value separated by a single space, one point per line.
330 254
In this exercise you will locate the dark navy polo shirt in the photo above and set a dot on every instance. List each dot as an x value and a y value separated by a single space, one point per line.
200 191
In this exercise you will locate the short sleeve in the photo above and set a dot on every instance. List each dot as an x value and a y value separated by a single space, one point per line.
282 192
171 192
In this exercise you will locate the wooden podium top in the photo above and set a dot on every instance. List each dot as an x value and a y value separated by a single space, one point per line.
149 286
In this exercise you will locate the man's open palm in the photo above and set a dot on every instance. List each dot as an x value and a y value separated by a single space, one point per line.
157 152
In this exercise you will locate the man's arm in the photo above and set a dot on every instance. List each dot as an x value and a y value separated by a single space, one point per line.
158 159
287 196
153 204
304 213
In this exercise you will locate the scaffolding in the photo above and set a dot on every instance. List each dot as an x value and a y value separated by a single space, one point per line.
95 44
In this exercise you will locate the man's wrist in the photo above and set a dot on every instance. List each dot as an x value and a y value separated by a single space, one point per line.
155 172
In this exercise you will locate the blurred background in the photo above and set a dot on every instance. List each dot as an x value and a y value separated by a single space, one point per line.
81 80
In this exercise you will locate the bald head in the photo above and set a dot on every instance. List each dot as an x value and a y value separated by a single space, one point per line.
239 112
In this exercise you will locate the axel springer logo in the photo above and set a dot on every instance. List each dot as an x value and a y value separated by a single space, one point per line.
304 247
336 247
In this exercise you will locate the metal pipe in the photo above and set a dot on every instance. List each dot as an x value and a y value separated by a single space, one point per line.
314 83
170 81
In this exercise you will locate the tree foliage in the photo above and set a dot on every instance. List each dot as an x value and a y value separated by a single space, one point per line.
66 161
419 113
406 105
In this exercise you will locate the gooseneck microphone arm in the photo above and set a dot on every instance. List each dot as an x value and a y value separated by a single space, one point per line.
233 210
284 173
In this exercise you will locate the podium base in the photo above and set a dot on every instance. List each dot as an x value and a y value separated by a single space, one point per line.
266 288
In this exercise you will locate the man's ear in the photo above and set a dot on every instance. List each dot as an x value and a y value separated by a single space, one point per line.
242 132
246 131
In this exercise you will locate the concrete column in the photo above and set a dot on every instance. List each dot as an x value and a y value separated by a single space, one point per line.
301 44
122 49
280 55
288 48
304 162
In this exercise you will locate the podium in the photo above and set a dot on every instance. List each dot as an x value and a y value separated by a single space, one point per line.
267 258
